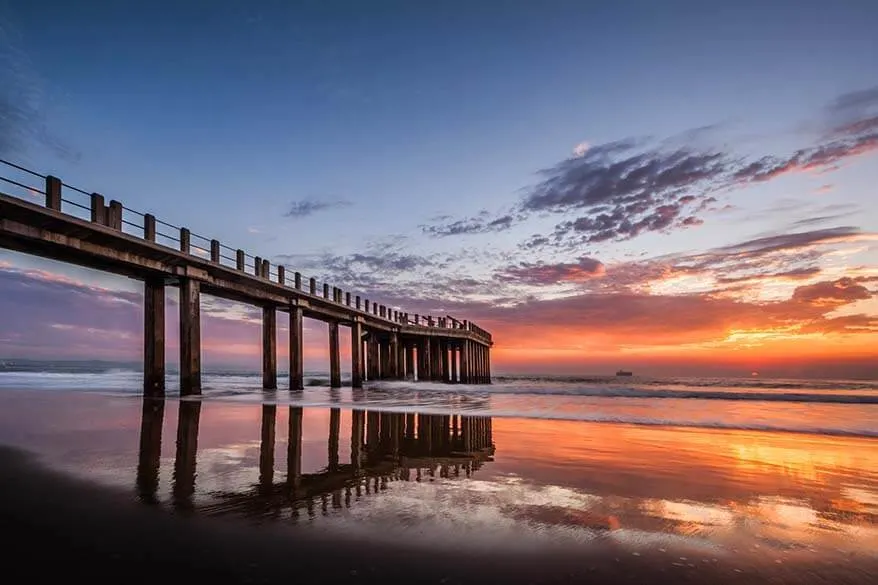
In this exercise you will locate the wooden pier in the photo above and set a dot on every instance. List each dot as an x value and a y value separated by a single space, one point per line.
387 343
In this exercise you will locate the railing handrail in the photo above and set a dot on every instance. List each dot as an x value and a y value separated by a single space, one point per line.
112 216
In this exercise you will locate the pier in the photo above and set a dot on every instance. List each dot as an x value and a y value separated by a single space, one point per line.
43 216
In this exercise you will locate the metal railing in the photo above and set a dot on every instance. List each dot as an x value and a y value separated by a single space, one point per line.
91 206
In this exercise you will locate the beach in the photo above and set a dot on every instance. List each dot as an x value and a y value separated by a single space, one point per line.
112 487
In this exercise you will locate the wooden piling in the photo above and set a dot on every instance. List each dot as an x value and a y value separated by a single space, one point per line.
334 356
269 348
215 251
356 353
240 263
465 376
454 377
446 361
154 338
190 337
393 361
297 376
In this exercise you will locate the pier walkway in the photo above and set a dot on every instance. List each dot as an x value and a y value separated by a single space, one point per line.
43 216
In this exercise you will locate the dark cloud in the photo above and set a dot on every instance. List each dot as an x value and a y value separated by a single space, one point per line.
478 225
620 190
544 274
307 207
832 293
794 241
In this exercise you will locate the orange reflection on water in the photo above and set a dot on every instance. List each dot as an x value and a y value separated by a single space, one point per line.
733 487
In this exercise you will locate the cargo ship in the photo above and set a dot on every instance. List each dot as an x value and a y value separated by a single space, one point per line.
624 373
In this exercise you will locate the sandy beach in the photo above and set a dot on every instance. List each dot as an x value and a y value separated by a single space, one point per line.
117 489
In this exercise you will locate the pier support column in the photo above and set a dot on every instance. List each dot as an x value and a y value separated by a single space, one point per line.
190 337
154 338
446 362
454 353
297 368
424 369
372 357
436 360
334 356
393 371
269 348
356 354
465 375
487 365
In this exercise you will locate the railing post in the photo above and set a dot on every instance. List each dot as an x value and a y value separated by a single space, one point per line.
312 285
367 305
114 215
239 260
281 275
347 299
149 227
265 270
357 301
98 209
257 266
184 240
215 251
298 280
325 291
53 193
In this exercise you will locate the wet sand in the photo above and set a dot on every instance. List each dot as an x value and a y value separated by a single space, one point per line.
116 490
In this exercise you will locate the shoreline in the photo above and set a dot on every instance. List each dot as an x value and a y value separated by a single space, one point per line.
102 534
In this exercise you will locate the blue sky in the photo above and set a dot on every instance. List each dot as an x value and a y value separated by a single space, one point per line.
396 117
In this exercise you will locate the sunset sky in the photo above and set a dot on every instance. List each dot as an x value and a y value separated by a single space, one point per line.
678 188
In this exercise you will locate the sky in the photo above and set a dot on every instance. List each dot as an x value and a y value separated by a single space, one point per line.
678 188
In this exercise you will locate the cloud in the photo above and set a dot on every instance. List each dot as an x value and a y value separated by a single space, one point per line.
620 190
476 225
832 293
307 207
545 274
581 148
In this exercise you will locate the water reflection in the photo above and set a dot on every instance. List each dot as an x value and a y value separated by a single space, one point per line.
385 447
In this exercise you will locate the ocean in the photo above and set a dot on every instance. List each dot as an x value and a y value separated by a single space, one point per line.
823 407
580 479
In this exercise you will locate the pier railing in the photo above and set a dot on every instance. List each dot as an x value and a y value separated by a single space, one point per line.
65 198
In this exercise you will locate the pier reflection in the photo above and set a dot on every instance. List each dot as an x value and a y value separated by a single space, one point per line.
385 447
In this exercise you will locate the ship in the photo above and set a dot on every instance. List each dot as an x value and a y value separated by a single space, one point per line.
624 373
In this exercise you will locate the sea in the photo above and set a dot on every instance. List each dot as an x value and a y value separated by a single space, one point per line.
819 407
